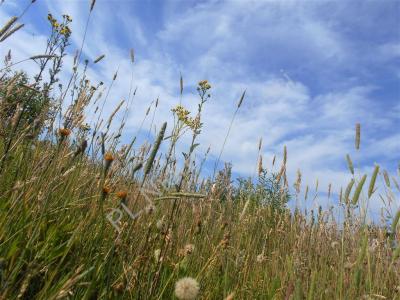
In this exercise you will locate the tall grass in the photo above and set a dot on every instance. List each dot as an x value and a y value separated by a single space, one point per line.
179 236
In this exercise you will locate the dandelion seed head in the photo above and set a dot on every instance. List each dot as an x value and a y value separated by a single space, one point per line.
186 288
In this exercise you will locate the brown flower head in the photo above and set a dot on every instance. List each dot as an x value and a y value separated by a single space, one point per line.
122 195
108 157
106 190
64 132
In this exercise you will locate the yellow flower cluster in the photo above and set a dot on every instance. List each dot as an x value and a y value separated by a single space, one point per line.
204 85
183 116
53 21
68 18
63 29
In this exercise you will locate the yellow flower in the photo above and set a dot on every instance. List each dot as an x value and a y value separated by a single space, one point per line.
183 116
204 85
65 31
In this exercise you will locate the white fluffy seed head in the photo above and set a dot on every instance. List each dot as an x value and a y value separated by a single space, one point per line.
186 288
260 258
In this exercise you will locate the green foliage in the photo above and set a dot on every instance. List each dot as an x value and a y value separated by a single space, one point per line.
20 97
268 190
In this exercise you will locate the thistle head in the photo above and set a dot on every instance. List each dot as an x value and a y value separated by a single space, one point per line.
64 132
108 158
122 195
106 190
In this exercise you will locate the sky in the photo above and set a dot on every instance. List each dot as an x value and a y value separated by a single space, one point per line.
311 71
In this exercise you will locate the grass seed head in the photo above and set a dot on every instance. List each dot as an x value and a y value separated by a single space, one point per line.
8 25
260 165
92 4
358 136
11 32
99 58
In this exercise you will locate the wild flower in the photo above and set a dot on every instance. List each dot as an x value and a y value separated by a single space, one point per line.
62 28
65 31
106 190
183 116
108 158
64 132
204 85
122 195
187 288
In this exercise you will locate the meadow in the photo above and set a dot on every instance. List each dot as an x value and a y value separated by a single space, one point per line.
84 216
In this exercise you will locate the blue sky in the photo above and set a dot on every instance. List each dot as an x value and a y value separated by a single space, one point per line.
312 69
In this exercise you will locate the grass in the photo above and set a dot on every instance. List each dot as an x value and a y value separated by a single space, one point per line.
83 217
